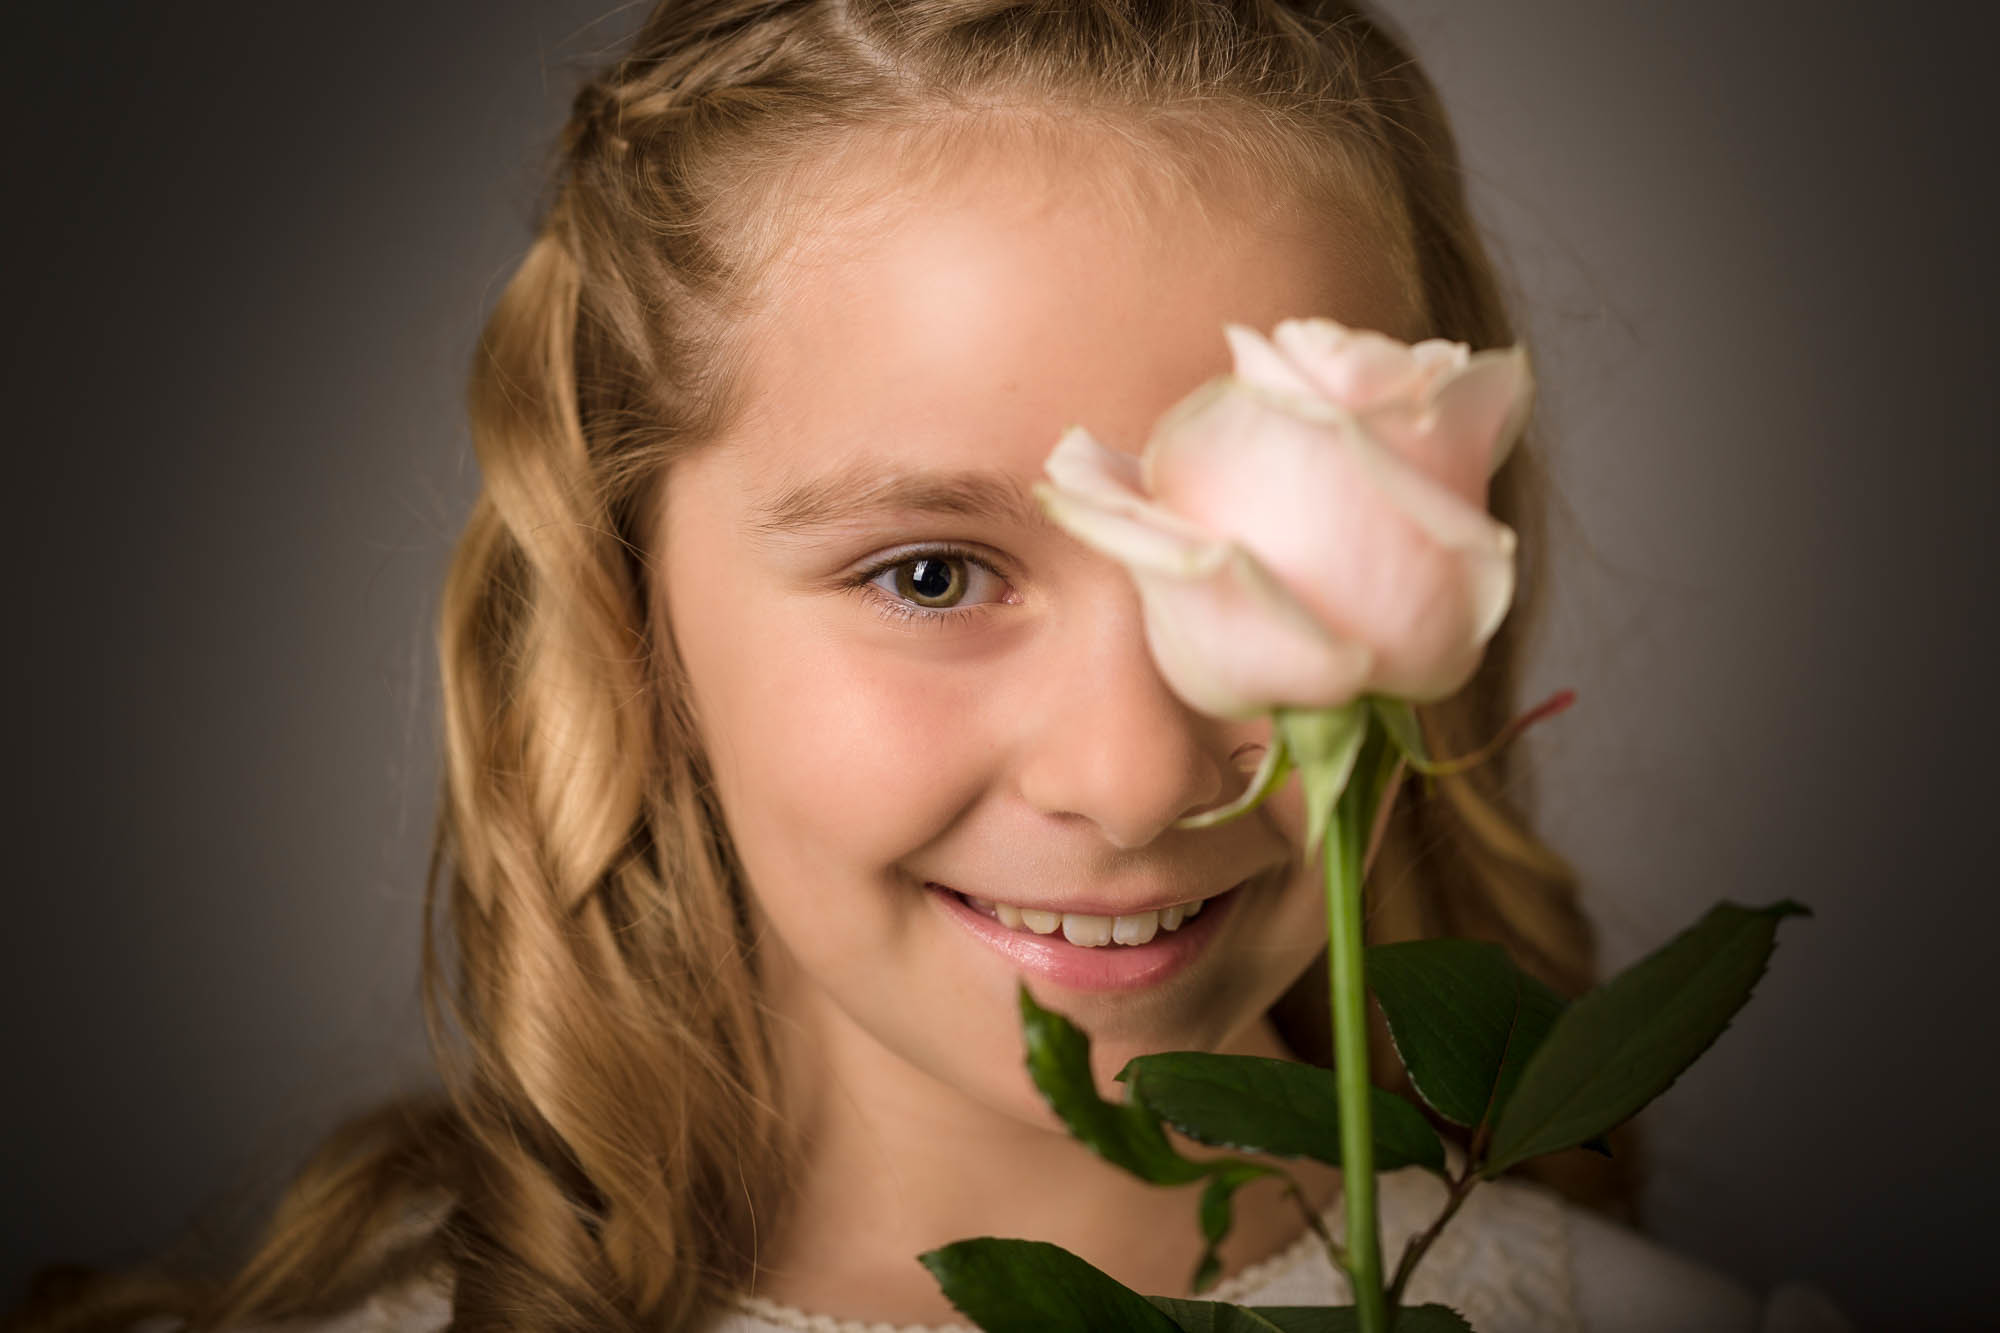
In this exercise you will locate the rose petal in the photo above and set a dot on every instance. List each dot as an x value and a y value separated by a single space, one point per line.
1371 547
1486 404
1079 464
1438 357
1439 643
1260 363
1142 536
1481 546
1442 513
1357 368
1234 643
1238 465
1110 480
1460 437
1228 638
1409 430
1314 525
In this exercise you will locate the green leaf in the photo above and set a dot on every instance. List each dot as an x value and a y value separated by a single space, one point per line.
1624 1043
1428 1319
1280 1107
1464 1019
1030 1286
1127 1136
1218 1317
1324 743
1216 1217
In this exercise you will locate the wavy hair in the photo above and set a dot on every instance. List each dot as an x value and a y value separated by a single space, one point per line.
606 1145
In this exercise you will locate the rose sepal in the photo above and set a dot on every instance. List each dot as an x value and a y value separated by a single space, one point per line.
1270 775
1324 743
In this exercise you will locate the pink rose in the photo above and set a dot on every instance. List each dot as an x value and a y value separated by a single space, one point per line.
1312 527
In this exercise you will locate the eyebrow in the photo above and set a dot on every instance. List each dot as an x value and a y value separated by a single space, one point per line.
867 491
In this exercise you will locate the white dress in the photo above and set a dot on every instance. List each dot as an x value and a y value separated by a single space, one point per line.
1517 1258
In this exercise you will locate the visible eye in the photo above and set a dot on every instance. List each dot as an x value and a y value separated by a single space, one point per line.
931 585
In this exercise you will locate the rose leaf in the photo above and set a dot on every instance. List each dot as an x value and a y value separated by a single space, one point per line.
1281 1107
1030 1286
1217 1317
1464 1019
1617 1048
1216 1218
1126 1135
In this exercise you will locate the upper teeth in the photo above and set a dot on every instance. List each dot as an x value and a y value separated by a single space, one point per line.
1091 931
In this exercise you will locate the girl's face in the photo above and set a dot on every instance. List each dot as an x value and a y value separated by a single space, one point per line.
905 677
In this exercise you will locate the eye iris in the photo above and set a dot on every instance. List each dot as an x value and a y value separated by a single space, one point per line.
931 581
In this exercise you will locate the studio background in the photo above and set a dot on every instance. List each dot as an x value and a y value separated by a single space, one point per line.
252 247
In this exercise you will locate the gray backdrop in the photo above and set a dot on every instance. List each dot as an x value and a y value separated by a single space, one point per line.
251 253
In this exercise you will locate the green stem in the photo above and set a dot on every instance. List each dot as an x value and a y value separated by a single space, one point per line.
1414 1251
1316 1223
1344 851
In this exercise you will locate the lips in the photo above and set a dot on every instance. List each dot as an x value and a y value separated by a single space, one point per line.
1088 929
1107 967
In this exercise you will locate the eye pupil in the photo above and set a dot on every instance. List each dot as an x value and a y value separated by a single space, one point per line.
932 580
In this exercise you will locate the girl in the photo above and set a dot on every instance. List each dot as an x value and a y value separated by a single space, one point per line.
770 698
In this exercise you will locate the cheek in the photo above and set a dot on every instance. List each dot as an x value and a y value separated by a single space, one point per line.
1286 808
835 749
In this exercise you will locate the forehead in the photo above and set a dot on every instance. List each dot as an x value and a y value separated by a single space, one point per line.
961 313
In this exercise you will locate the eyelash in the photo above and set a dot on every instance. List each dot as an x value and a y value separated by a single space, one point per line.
893 608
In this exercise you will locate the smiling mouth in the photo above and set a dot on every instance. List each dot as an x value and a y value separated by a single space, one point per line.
1084 929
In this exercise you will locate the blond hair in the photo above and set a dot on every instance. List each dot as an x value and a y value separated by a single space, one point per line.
606 1148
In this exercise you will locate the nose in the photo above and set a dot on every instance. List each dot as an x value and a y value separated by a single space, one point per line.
1112 743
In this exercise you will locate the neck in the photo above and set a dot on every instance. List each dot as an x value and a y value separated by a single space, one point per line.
922 1165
